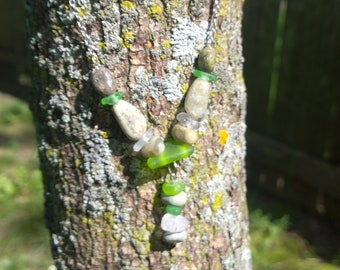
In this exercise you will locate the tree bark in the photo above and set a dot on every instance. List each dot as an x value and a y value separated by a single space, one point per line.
102 204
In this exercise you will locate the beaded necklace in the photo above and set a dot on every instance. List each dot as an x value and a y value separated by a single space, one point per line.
134 124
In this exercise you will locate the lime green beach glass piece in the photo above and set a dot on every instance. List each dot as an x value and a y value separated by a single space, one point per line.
172 188
173 209
204 75
173 151
112 99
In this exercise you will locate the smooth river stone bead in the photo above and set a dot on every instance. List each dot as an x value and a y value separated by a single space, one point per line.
184 134
130 119
172 188
174 224
186 121
197 99
207 59
154 147
103 81
175 237
143 140
179 199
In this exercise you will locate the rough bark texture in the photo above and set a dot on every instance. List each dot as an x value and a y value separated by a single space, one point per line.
103 205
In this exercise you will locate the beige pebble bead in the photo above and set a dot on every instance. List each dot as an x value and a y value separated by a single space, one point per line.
197 99
130 119
184 134
154 147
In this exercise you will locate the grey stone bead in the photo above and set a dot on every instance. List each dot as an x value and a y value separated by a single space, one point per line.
207 59
184 134
197 99
103 81
130 119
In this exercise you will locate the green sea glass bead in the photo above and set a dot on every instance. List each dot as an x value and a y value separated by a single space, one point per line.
204 75
112 99
173 152
173 209
172 188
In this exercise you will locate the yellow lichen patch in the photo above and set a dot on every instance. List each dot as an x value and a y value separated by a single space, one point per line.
213 169
155 11
101 45
108 217
104 134
236 169
126 6
223 137
81 12
217 202
127 37
166 44
86 220
77 163
184 88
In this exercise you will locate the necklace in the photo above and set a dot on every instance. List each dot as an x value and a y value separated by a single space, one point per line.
152 147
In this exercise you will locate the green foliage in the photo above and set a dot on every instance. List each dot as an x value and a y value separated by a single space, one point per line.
274 248
24 242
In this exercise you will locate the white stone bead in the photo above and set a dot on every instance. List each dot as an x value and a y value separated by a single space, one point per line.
174 224
184 134
175 237
130 119
103 81
154 147
197 99
179 199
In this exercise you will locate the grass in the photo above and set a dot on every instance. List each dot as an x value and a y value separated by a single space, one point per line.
24 242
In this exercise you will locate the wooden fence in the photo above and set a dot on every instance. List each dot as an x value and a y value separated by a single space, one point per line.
292 72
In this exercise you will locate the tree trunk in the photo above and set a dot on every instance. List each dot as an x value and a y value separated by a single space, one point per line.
102 204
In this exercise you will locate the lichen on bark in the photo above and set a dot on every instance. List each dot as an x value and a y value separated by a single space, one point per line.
102 205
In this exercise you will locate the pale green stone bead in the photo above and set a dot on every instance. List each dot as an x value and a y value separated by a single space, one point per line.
130 119
184 134
175 237
207 59
197 99
154 147
179 200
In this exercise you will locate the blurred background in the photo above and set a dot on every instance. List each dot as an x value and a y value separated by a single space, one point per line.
292 66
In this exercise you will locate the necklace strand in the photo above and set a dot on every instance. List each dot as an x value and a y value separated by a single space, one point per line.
134 124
